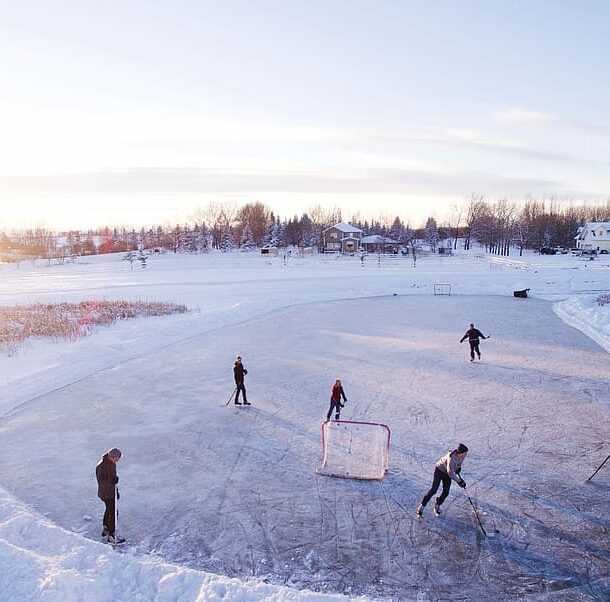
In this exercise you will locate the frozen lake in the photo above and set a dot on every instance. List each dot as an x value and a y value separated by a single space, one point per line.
234 491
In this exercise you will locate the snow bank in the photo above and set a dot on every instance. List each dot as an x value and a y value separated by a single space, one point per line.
586 314
41 561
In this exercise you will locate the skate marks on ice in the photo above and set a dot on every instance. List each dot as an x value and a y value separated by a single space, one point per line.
235 491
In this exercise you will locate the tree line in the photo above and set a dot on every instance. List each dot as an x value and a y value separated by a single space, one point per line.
499 226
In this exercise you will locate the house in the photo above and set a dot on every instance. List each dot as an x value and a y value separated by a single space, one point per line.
594 236
445 247
377 243
342 238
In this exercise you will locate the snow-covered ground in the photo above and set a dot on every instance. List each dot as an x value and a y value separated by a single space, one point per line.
224 503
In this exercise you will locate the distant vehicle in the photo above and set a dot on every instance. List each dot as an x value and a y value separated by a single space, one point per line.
561 250
547 251
575 252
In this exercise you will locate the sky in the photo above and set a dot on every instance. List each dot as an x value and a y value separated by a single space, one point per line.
141 113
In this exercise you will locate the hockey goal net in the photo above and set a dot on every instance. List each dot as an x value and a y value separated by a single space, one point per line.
442 288
354 450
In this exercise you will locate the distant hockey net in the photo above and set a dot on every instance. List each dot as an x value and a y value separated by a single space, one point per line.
354 450
442 288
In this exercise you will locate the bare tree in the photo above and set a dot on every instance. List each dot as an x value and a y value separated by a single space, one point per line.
454 221
257 217
476 208
321 219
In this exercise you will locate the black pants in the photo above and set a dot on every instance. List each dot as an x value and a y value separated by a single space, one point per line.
240 387
337 405
474 347
439 476
109 516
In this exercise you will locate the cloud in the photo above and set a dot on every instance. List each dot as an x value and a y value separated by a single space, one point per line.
165 182
461 139
538 119
521 116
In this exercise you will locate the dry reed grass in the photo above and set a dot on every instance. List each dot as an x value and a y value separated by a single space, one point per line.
70 320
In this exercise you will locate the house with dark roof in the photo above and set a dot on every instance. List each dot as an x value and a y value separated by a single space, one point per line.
342 238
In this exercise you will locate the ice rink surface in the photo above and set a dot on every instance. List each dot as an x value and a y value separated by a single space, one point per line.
234 491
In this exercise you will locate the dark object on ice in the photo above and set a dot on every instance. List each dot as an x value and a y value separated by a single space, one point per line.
522 294
607 458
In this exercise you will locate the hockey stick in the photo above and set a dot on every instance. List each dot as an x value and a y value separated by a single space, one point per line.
116 513
607 458
230 398
476 513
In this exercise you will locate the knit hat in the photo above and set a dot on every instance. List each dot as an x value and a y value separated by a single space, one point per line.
461 448
115 452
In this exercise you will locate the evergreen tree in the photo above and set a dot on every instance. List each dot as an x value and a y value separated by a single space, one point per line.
431 235
247 242
227 241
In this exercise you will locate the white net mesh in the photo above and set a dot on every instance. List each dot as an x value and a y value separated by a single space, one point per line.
355 450
441 288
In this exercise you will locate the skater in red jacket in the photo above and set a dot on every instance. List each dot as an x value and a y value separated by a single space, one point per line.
336 393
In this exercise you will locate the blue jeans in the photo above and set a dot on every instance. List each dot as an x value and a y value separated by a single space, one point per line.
337 405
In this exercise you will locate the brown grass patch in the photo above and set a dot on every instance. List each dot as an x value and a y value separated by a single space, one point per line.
70 320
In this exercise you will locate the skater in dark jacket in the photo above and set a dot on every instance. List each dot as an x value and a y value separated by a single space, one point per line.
447 469
336 393
239 372
107 491
473 335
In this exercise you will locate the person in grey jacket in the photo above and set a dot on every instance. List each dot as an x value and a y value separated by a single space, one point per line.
107 479
447 469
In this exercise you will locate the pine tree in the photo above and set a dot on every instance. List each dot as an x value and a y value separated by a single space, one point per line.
227 242
247 239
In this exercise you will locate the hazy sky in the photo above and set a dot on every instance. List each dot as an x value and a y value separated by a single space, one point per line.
138 112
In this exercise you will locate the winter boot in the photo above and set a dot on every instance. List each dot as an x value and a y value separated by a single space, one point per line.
115 540
437 509
420 510
238 403
104 531
247 403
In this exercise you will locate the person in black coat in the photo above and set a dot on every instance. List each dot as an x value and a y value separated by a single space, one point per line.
473 335
239 372
107 491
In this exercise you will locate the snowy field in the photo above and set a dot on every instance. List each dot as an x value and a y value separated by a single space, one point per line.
223 503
